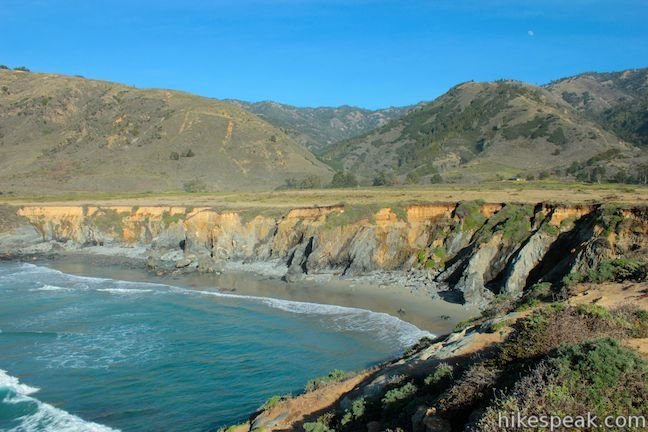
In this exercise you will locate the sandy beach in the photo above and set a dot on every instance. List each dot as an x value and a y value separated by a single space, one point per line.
435 316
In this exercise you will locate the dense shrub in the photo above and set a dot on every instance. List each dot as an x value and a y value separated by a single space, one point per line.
470 214
194 186
547 328
598 377
344 179
335 376
442 373
385 179
398 394
617 270
273 401
472 386
436 179
356 412
310 182
412 177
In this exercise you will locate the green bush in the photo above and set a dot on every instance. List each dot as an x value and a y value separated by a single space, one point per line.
620 269
443 372
500 325
317 427
436 179
603 375
598 377
399 394
109 220
194 186
310 182
412 178
617 270
352 214
344 179
335 376
357 411
470 214
273 401
385 179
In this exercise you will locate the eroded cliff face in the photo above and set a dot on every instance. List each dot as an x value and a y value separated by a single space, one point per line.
469 250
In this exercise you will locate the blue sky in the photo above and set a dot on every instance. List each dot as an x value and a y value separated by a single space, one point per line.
367 53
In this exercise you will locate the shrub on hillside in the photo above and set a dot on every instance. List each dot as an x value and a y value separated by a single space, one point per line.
385 179
599 377
344 179
194 186
547 328
335 376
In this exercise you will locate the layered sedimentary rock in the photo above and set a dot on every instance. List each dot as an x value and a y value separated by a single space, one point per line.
470 249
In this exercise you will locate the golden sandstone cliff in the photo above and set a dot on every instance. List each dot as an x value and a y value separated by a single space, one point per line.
470 250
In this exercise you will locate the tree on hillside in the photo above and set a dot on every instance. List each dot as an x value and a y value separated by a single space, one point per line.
344 179
385 179
436 179
412 177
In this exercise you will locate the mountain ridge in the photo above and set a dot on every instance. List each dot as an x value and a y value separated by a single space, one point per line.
488 131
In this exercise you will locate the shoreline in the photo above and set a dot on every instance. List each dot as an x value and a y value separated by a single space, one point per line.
435 316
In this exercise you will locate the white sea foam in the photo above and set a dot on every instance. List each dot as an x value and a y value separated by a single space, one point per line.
109 345
341 318
124 290
47 287
12 383
39 416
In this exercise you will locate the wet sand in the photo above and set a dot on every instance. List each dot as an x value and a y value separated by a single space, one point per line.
436 316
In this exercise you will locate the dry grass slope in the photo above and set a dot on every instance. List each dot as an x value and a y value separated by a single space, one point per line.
61 133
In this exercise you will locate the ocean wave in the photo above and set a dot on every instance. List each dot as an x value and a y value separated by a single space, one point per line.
124 290
32 415
110 345
13 383
379 324
47 287
342 318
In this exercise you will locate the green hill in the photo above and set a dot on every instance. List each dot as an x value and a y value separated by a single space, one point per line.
617 100
319 128
482 131
60 133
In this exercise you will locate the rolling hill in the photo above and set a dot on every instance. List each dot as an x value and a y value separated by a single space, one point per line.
61 133
485 131
617 100
319 128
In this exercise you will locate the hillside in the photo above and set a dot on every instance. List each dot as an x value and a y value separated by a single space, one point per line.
60 133
617 100
319 128
479 131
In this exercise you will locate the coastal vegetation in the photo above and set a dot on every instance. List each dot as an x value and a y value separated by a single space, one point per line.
557 359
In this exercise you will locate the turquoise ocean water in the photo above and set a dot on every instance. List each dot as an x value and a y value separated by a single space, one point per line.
94 354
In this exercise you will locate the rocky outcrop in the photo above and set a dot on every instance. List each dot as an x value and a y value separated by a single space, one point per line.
470 250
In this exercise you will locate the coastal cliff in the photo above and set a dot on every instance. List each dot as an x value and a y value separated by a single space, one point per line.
466 252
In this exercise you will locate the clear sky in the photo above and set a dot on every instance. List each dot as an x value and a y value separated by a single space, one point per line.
368 53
